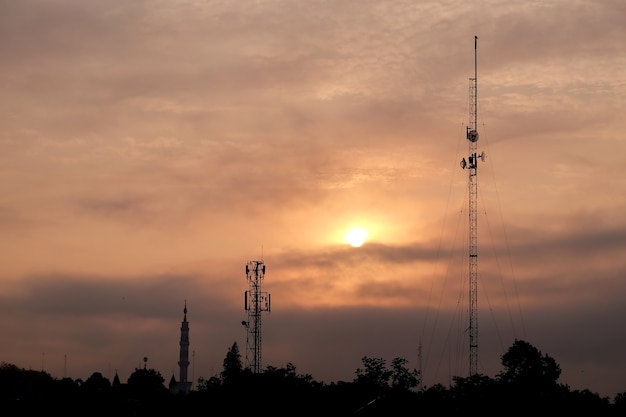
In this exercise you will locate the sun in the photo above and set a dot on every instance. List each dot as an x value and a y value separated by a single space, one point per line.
356 236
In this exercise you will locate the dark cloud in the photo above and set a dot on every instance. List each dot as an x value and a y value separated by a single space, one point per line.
89 296
112 207
589 30
327 343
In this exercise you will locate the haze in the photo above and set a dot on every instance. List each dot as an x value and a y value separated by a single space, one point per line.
149 149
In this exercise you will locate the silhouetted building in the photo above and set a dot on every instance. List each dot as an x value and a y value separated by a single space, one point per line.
116 380
183 385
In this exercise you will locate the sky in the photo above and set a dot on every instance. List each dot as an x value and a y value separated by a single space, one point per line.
150 149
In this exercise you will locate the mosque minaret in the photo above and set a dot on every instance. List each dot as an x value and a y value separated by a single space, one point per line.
183 385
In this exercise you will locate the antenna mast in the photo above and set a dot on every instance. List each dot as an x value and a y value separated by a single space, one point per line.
471 165
255 302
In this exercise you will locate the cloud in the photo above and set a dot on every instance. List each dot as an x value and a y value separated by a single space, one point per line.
151 148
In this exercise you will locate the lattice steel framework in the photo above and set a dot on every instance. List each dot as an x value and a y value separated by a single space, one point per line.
255 302
472 165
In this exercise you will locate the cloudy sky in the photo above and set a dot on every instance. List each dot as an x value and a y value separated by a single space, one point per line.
150 149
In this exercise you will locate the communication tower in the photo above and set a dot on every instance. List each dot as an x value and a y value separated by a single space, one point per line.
255 302
471 164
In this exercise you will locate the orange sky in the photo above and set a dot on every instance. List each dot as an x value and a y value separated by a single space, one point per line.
150 149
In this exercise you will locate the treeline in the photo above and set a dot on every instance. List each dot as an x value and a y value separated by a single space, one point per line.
528 383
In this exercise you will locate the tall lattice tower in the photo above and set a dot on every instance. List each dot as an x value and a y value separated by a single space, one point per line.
472 164
255 302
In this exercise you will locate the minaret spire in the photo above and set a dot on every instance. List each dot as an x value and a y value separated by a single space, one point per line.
184 386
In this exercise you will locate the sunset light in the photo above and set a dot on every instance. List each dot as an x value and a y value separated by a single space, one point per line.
396 165
356 236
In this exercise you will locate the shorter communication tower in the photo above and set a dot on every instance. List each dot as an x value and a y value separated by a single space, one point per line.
255 302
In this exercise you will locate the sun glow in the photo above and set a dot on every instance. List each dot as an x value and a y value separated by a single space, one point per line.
356 236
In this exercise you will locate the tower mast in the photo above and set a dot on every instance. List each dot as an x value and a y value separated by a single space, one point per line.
471 165
255 302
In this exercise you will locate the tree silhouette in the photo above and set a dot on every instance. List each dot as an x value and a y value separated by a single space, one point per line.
375 375
232 364
477 392
620 402
96 383
527 384
146 382
528 381
204 385
401 377
381 390
526 366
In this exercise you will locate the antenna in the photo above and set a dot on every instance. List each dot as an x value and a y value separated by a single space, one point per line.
472 165
255 302
419 364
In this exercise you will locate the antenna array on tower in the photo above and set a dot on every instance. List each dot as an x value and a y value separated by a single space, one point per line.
255 302
472 164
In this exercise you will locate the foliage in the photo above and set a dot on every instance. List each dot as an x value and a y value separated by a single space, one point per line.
17 383
146 382
401 377
527 384
382 388
232 364
375 374
475 392
207 384
620 401
525 365
96 383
